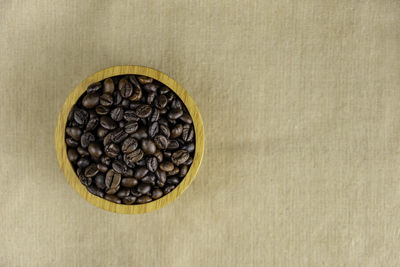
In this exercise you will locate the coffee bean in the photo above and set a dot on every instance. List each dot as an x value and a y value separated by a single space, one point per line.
168 189
81 116
140 134
101 132
91 100
99 180
102 110
165 131
106 100
108 86
101 167
129 200
130 115
95 191
175 171
111 150
153 129
161 177
119 166
161 101
92 124
148 146
135 193
163 90
112 182
129 182
117 114
134 156
150 87
161 141
186 118
187 133
143 188
141 172
86 181
150 98
123 192
128 172
113 198
129 145
173 144
163 121
118 135
155 115
86 139
176 131
72 155
179 157
167 166
71 142
144 79
143 199
94 87
107 123
167 154
105 160
175 114
121 124
183 171
189 147
83 163
143 111
91 171
117 98
189 161
173 180
149 179
74 132
125 88
141 162
157 193
131 127
170 96
176 104
159 156
83 152
136 94
95 150
125 103
107 139
152 164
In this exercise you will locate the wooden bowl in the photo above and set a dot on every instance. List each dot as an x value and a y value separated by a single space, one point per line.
62 150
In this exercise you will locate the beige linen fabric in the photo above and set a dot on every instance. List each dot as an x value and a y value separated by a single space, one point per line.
301 108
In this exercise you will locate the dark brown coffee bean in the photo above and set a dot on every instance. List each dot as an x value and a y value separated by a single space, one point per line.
91 171
161 141
163 90
130 115
121 124
134 81
155 115
86 139
167 154
71 142
128 172
99 180
143 199
175 171
111 150
176 104
117 98
81 116
143 188
143 111
131 127
170 96
101 167
171 121
141 172
149 179
117 114
74 132
123 192
136 94
107 123
141 162
83 163
90 100
92 124
95 191
125 88
83 152
189 147
161 101
173 180
135 193
86 181
101 132
118 135
144 79
152 164
150 87
148 146
163 111
112 182
72 155
129 182
108 86
173 144
119 166
163 121
94 87
187 133
134 156
106 100
168 189
176 131
105 160
107 139
179 157
140 134
112 198
129 145
95 150
161 177
167 166
175 114
159 156
183 171
165 131
157 193
186 118
150 98
102 110
153 129
189 161
129 200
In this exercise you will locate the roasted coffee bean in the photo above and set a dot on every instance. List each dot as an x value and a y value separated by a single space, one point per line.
117 114
170 96
176 104
123 192
92 124
86 139
72 154
150 98
164 111
157 193
171 121
108 86
101 167
128 172
128 200
95 150
175 114
140 134
141 172
130 115
101 132
118 135
155 115
141 162
161 101
134 81
143 188
164 130
106 100
111 150
189 147
83 152
167 154
161 176
135 193
83 162
81 116
113 198
125 88
148 146
153 129
175 171
99 180
91 171
129 145
167 166
107 123
86 181
150 87
161 141
134 156
189 161
186 118
129 182
159 156
149 179
112 182
173 180
119 166
168 189
152 164
105 160
71 142
143 111
74 132
94 87
163 90
173 144
176 131
143 199
144 79
131 127
91 100
187 133
121 124
179 157
117 98
163 121
136 94
95 191
102 110
183 171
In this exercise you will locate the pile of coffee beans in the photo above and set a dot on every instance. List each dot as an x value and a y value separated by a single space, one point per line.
130 139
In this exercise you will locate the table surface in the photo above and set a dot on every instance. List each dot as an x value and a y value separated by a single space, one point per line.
301 109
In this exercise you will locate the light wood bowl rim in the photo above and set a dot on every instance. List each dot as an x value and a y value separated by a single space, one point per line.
67 167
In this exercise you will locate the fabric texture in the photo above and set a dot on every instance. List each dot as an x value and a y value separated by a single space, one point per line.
301 109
